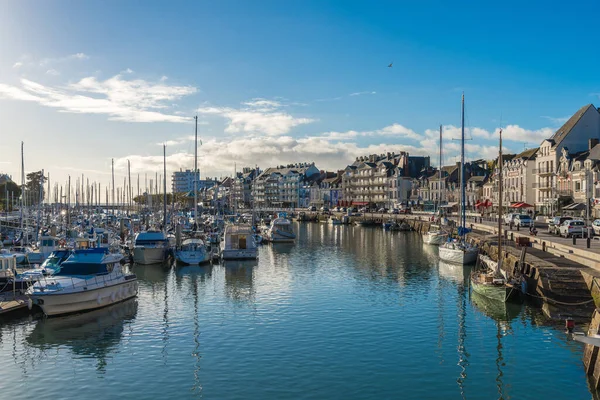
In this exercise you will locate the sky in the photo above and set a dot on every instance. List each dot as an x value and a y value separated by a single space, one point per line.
278 82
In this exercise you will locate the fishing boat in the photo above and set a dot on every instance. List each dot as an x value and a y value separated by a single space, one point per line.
280 230
150 247
88 279
459 251
192 252
238 243
490 280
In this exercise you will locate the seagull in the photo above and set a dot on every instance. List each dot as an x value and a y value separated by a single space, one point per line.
390 66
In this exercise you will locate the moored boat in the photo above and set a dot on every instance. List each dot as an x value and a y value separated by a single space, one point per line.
192 252
280 230
238 243
150 247
87 280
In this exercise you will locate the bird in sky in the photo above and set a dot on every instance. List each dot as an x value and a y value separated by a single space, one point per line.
390 66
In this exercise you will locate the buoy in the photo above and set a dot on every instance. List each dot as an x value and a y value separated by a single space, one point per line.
569 324
29 303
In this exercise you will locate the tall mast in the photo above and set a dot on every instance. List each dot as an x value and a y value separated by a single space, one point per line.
196 173
441 176
22 186
500 200
462 166
165 187
113 186
129 189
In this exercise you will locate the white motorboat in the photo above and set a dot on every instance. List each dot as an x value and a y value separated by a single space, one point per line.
238 243
87 280
280 230
192 252
47 245
150 247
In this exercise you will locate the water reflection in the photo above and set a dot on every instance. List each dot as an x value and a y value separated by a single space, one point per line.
502 313
239 280
92 334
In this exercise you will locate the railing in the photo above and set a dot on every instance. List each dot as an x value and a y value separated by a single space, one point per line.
543 170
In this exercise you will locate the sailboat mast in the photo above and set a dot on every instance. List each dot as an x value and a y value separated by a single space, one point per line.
22 186
500 199
440 184
165 187
196 172
462 165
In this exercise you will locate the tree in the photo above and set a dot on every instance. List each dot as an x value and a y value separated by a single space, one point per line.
34 188
8 191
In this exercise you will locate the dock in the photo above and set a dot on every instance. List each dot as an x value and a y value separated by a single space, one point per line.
10 303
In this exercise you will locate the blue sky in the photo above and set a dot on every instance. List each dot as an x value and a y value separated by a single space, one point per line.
282 81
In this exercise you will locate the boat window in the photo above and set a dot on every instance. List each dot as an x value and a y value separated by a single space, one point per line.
76 268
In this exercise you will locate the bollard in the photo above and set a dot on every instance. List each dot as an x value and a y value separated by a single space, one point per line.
574 240
511 237
589 240
518 226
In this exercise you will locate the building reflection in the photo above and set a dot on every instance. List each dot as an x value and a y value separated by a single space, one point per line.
239 280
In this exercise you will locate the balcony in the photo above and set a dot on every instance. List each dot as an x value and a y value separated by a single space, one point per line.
543 171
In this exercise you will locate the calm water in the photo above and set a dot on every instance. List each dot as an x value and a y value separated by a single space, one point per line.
345 313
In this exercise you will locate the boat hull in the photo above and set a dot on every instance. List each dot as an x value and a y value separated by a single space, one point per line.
458 255
57 304
494 292
192 257
149 255
239 254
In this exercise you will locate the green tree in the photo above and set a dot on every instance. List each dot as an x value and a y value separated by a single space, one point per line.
34 187
8 191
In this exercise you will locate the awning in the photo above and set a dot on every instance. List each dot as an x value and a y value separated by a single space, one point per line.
449 205
522 205
478 204
360 203
574 207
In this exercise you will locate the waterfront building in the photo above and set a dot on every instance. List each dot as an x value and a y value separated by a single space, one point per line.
573 136
183 181
518 177
284 185
242 187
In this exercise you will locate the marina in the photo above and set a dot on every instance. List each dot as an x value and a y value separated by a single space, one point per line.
339 301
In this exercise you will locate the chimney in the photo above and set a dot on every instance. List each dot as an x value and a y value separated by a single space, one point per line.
592 143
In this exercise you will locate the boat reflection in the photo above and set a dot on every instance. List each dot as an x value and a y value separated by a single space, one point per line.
239 280
92 334
502 313
454 272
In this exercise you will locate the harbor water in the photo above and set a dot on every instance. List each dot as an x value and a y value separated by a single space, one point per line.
344 313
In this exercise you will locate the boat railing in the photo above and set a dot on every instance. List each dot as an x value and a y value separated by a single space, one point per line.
96 280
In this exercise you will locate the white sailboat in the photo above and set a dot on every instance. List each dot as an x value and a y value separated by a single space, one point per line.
459 251
193 251
436 235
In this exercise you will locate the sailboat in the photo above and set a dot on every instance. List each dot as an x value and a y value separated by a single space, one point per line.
435 235
490 282
459 251
193 251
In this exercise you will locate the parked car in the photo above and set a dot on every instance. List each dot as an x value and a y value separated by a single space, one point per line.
522 220
382 210
362 209
394 211
555 223
596 227
573 227
312 208
325 209
404 211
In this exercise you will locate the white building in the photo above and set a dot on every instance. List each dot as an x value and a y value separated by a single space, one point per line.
573 136
183 181
518 178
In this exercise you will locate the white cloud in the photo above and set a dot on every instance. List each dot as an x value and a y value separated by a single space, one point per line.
391 130
362 93
77 56
123 100
18 64
556 121
52 72
260 116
